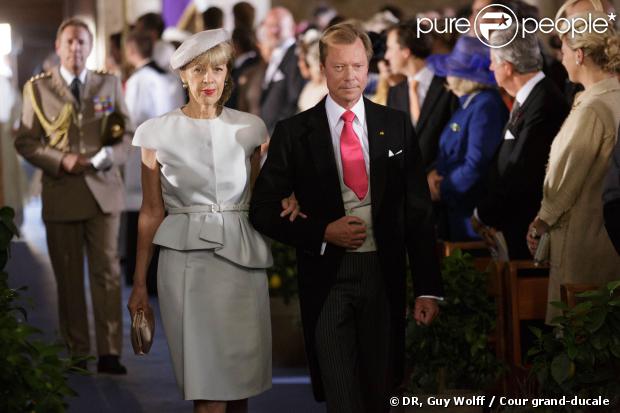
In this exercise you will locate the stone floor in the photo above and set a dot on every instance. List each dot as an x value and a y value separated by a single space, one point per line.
150 384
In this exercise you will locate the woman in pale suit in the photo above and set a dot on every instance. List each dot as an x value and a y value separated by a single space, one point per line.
198 165
571 209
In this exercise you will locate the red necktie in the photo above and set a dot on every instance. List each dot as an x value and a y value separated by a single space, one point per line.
353 165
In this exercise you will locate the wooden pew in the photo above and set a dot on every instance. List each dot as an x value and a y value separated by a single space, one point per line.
569 292
526 295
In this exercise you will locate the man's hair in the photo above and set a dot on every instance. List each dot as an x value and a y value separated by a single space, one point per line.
152 21
75 22
244 39
344 33
406 34
523 52
213 18
142 41
243 13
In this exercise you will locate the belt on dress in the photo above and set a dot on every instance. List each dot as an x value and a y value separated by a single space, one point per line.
196 209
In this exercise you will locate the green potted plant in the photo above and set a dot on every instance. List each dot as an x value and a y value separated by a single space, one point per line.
454 352
33 378
581 356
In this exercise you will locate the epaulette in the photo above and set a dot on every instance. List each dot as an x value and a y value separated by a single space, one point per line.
102 72
41 75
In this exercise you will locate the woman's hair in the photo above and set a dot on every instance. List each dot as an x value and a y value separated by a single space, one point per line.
460 86
222 54
602 48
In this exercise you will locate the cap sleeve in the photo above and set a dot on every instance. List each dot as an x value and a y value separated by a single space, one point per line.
262 135
144 136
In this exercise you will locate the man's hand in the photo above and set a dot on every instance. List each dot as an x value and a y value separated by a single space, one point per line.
425 311
74 163
434 182
347 232
291 207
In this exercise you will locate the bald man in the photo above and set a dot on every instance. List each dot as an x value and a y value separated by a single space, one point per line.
282 82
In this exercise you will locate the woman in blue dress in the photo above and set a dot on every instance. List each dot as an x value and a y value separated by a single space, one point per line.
470 139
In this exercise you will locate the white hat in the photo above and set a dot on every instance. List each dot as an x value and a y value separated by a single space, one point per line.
196 45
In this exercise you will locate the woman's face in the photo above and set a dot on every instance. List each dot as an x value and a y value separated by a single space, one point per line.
452 82
205 82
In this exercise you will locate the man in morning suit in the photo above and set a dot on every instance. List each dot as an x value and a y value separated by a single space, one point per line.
282 82
73 128
423 95
356 170
515 180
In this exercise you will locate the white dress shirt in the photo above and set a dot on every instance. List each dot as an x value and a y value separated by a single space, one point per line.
527 88
424 77
272 73
104 158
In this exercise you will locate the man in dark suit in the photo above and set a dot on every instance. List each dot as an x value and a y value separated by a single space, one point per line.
356 171
516 176
282 83
611 198
423 95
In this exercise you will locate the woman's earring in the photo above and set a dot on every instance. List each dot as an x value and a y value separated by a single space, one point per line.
184 85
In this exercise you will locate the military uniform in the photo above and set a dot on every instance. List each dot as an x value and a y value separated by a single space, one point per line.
81 212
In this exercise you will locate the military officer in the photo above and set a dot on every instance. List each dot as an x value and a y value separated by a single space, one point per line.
73 128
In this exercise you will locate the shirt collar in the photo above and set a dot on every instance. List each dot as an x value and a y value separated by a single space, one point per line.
68 76
527 88
465 100
286 43
424 76
335 111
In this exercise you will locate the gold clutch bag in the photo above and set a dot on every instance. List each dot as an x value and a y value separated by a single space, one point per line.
142 332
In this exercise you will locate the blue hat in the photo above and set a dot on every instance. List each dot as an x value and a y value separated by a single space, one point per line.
469 60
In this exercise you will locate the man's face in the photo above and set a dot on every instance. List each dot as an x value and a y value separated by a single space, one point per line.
500 70
395 54
73 47
346 72
271 26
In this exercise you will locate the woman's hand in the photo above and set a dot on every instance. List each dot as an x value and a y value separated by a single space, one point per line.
291 207
434 182
536 229
138 300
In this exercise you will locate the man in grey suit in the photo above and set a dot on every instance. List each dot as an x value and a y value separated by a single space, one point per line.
73 127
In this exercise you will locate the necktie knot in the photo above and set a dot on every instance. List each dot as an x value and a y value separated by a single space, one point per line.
348 116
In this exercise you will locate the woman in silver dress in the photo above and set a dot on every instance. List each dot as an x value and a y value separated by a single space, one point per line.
198 165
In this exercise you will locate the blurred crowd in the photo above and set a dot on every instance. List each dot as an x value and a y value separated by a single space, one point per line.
506 156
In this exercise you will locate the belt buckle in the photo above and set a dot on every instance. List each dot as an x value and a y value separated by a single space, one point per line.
215 208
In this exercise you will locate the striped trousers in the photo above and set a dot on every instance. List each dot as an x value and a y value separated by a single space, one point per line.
353 338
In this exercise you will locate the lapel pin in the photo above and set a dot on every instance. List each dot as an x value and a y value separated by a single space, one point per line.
455 127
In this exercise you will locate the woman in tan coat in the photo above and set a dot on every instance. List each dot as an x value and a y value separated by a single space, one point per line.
571 209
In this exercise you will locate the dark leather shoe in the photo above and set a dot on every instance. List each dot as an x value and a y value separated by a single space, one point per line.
110 364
